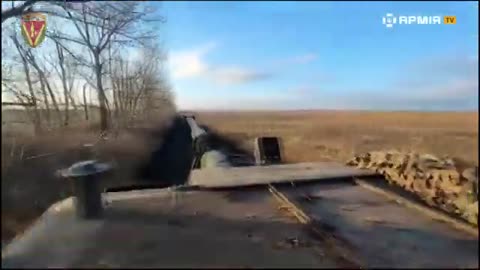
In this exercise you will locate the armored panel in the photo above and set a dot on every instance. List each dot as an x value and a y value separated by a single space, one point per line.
242 228
267 150
280 173
161 229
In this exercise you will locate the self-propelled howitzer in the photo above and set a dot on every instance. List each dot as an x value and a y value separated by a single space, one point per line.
268 214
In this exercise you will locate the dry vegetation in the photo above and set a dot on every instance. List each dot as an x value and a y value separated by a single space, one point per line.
133 98
29 185
77 85
29 163
338 135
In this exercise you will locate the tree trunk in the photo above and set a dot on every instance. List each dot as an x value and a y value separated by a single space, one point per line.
102 99
72 101
114 86
49 88
36 120
47 103
53 98
66 93
85 104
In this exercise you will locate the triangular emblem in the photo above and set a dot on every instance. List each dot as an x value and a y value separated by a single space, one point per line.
34 26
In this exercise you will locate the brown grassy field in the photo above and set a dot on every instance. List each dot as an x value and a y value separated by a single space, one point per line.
338 135
29 186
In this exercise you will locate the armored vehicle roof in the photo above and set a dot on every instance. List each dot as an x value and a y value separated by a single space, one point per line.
244 227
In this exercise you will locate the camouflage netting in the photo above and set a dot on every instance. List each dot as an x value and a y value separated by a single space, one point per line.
439 182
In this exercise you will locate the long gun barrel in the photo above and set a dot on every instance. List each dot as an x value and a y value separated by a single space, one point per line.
205 155
197 131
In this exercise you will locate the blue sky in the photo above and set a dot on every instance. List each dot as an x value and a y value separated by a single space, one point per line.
321 55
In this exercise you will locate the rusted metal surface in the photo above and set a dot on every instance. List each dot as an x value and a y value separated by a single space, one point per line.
263 175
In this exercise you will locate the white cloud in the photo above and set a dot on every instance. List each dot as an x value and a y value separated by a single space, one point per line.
236 75
190 63
444 82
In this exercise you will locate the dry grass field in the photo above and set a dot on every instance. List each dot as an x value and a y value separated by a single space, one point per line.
338 135
29 185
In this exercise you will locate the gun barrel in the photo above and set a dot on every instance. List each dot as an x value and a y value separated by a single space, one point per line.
205 155
196 130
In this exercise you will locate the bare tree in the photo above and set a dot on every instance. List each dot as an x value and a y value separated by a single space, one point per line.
31 97
97 29
104 32
65 69
139 87
156 93
17 10
46 86
27 6
85 103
